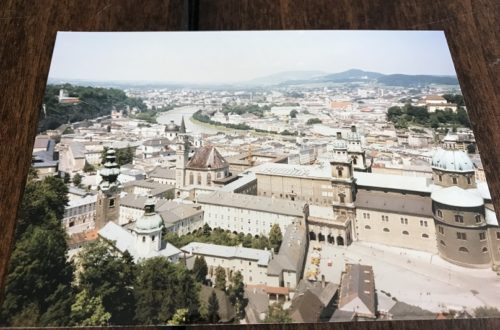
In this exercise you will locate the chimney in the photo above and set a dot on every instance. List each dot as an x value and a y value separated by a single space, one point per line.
353 128
339 135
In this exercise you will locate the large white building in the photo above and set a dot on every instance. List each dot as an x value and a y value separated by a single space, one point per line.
79 214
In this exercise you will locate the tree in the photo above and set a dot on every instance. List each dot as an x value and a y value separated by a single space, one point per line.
220 278
200 269
485 311
67 177
213 308
276 314
179 317
161 289
88 311
77 179
236 293
471 148
275 237
313 121
111 276
293 113
88 168
123 156
170 194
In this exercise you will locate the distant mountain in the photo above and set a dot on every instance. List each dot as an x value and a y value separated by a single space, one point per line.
281 77
356 75
410 80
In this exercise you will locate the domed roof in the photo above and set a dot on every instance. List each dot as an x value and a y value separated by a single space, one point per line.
171 127
151 220
452 160
458 197
339 144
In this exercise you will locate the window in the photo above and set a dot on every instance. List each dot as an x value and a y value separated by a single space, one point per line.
199 179
405 232
482 236
143 239
462 236
404 221
368 227
72 223
485 249
459 218
454 180
442 243
498 234
423 223
191 178
355 161
386 230
441 230
112 202
469 181
463 249
366 215
385 218
440 178
425 236
342 199
478 218
339 172
152 238
209 179
439 213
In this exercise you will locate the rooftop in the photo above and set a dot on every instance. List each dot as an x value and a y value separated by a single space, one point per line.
394 203
229 252
456 196
251 202
207 157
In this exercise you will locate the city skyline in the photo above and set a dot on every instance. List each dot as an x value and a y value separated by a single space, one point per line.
235 57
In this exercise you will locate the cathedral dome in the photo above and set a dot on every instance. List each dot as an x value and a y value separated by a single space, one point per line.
452 160
339 144
150 221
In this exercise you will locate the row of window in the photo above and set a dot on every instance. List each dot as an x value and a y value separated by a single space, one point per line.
463 236
79 210
404 221
460 218
404 232
454 179
464 249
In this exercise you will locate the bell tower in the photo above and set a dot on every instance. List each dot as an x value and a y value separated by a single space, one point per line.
182 157
108 195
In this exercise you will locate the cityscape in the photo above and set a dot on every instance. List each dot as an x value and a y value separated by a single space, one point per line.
281 190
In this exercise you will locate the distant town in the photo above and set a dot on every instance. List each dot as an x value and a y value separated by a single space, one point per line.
348 197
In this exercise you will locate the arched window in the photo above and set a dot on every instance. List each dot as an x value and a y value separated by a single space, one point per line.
199 179
354 160
339 172
405 232
425 236
485 249
209 179
386 230
463 249
191 178
368 227
439 213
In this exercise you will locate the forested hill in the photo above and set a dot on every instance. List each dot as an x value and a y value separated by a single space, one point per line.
94 102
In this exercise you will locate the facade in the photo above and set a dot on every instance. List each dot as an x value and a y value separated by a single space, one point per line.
79 215
254 215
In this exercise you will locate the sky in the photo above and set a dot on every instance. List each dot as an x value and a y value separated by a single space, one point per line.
228 57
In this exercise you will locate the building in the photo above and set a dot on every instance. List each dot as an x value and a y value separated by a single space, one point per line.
162 175
149 187
108 195
65 98
79 214
254 215
45 159
172 130
143 241
437 102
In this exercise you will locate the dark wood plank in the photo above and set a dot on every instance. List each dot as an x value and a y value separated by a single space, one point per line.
29 29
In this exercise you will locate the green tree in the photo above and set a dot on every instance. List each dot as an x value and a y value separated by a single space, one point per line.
220 278
77 179
463 117
179 317
276 314
485 311
110 276
471 148
236 292
200 269
275 237
313 121
88 311
161 288
293 113
213 308
88 168
67 177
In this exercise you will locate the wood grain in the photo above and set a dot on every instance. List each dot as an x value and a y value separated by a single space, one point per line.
28 31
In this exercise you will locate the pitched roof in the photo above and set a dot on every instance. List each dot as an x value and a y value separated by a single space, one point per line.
357 286
306 308
163 173
394 203
207 157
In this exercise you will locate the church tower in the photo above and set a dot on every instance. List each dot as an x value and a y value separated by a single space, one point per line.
356 152
343 184
148 230
182 157
108 195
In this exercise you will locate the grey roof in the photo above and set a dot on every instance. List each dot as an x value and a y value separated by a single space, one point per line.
156 188
394 203
251 202
358 282
456 196
306 307
45 158
404 311
207 157
394 182
342 316
77 149
325 294
229 252
171 211
163 173
243 179
292 251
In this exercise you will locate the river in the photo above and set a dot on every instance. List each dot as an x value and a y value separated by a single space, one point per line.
187 111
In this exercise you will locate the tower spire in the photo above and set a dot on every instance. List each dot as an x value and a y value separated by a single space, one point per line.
182 129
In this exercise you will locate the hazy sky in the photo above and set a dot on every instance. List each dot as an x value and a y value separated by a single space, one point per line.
238 56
